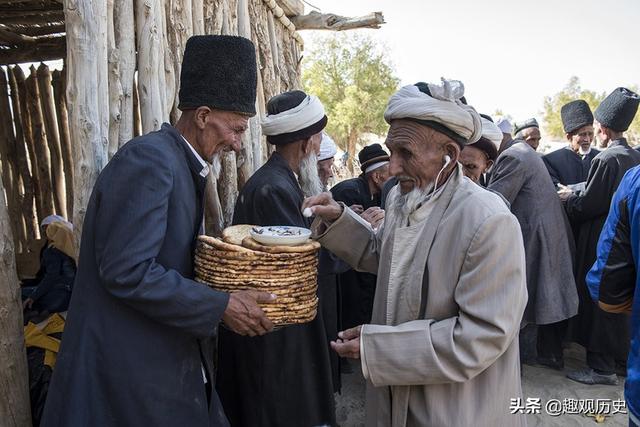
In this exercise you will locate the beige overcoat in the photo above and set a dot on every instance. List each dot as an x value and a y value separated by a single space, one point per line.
459 365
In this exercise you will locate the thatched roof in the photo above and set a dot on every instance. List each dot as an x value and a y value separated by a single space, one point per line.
31 30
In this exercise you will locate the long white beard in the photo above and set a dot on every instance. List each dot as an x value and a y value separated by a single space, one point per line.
216 166
400 206
309 178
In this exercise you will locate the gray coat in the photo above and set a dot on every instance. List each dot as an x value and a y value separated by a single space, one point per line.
522 178
134 349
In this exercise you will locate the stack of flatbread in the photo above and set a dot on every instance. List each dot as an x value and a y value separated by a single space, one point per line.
238 262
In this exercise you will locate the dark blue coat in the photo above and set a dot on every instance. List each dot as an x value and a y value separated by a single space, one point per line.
139 328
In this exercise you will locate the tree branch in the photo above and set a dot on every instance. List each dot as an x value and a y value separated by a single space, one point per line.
329 21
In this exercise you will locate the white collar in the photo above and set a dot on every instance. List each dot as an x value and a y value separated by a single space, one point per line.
205 167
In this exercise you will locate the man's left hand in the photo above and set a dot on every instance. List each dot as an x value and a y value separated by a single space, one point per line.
565 192
348 343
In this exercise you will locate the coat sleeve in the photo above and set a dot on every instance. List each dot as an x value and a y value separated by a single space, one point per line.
351 239
52 265
555 177
593 202
491 295
131 222
612 279
507 178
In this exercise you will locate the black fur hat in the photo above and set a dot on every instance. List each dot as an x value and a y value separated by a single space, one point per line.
618 109
575 115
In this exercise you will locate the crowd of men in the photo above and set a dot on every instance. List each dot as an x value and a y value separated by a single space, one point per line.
438 262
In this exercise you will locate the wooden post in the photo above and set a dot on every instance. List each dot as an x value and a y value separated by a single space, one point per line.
245 161
126 43
49 205
137 119
87 97
179 29
21 122
14 376
59 94
151 66
48 111
197 11
214 221
115 87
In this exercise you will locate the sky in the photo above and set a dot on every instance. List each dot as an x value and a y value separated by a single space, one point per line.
509 54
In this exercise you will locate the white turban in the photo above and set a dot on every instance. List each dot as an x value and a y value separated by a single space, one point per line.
491 132
505 125
443 107
307 113
328 148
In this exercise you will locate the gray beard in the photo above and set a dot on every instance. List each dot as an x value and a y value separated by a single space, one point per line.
401 206
216 166
309 179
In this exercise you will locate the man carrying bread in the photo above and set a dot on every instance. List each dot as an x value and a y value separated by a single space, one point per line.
137 347
282 378
442 346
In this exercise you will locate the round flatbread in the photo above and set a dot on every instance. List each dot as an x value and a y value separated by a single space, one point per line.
223 246
234 234
282 282
247 255
203 258
309 246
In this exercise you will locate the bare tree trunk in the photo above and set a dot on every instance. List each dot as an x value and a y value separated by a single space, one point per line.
115 87
245 161
126 43
137 119
20 122
329 21
151 66
197 11
351 151
14 387
53 140
40 146
179 29
214 219
87 97
59 94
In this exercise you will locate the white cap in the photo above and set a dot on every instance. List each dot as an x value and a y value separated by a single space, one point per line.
55 218
505 125
328 148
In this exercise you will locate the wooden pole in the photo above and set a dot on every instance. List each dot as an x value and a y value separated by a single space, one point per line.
197 11
49 204
179 29
87 97
137 119
245 161
53 139
14 376
115 87
59 94
126 43
21 122
151 71
329 21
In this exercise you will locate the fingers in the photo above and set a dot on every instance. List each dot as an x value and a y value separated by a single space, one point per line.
349 349
357 209
319 199
259 296
350 334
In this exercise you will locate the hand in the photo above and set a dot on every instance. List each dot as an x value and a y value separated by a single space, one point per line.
243 314
374 216
348 343
28 303
323 206
357 209
564 192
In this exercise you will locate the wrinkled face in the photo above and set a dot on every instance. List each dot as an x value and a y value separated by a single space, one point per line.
581 139
417 154
220 131
380 176
532 137
474 162
603 136
325 170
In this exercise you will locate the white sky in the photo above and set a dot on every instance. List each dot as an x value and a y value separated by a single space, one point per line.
509 54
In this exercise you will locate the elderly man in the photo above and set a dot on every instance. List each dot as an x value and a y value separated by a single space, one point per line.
614 279
521 177
478 157
529 132
507 129
442 348
283 378
604 335
570 166
328 150
137 344
362 194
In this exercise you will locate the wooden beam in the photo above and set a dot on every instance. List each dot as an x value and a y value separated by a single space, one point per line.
36 54
329 21
35 31
18 19
291 7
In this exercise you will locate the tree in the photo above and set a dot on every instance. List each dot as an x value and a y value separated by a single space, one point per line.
553 104
354 82
14 387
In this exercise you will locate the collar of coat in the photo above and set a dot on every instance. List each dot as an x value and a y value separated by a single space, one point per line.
194 163
620 142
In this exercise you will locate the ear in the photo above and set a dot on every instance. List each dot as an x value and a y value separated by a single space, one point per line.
453 151
568 136
489 164
307 146
200 117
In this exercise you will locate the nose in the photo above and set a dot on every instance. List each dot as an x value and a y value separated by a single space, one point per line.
236 145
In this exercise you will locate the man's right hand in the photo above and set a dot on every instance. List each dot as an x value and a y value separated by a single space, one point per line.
243 314
323 206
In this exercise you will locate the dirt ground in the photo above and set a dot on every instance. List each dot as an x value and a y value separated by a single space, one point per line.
537 382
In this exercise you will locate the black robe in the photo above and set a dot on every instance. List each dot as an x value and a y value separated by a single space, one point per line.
598 331
356 289
567 167
282 378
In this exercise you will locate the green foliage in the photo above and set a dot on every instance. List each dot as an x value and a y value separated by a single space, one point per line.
633 133
352 78
553 104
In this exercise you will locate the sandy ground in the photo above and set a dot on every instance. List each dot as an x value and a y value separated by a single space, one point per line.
537 382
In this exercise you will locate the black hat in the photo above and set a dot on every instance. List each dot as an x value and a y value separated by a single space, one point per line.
487 147
617 110
575 115
372 154
219 72
286 101
530 123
